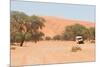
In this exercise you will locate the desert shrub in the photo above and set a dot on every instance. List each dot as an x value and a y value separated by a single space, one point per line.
92 41
76 48
18 37
47 38
57 37
92 33
28 36
37 36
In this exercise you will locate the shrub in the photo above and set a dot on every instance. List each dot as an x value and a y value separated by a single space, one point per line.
47 38
28 36
57 37
92 33
76 48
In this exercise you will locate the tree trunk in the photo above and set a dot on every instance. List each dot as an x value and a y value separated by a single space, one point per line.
35 41
21 44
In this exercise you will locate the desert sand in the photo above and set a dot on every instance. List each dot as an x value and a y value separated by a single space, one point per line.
56 25
51 52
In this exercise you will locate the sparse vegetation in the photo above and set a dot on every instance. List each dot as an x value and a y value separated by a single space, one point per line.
92 33
77 29
47 38
57 37
24 27
76 48
92 41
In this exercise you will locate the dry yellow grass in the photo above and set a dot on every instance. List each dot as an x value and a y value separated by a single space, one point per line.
51 52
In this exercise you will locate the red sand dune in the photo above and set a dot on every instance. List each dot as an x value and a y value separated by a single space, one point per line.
56 25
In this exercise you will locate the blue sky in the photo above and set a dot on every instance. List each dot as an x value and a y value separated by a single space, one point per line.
69 11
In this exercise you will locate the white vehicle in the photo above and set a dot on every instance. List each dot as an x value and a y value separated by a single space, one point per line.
79 40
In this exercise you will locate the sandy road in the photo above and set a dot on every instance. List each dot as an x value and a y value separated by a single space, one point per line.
48 52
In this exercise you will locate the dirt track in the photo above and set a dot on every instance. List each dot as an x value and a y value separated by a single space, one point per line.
48 52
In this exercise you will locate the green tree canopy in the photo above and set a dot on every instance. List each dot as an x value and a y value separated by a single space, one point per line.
75 30
27 26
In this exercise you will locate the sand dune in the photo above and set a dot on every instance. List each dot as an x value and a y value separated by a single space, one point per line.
56 25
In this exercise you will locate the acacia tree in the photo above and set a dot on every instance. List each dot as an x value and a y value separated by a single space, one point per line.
18 20
24 24
74 30
34 26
